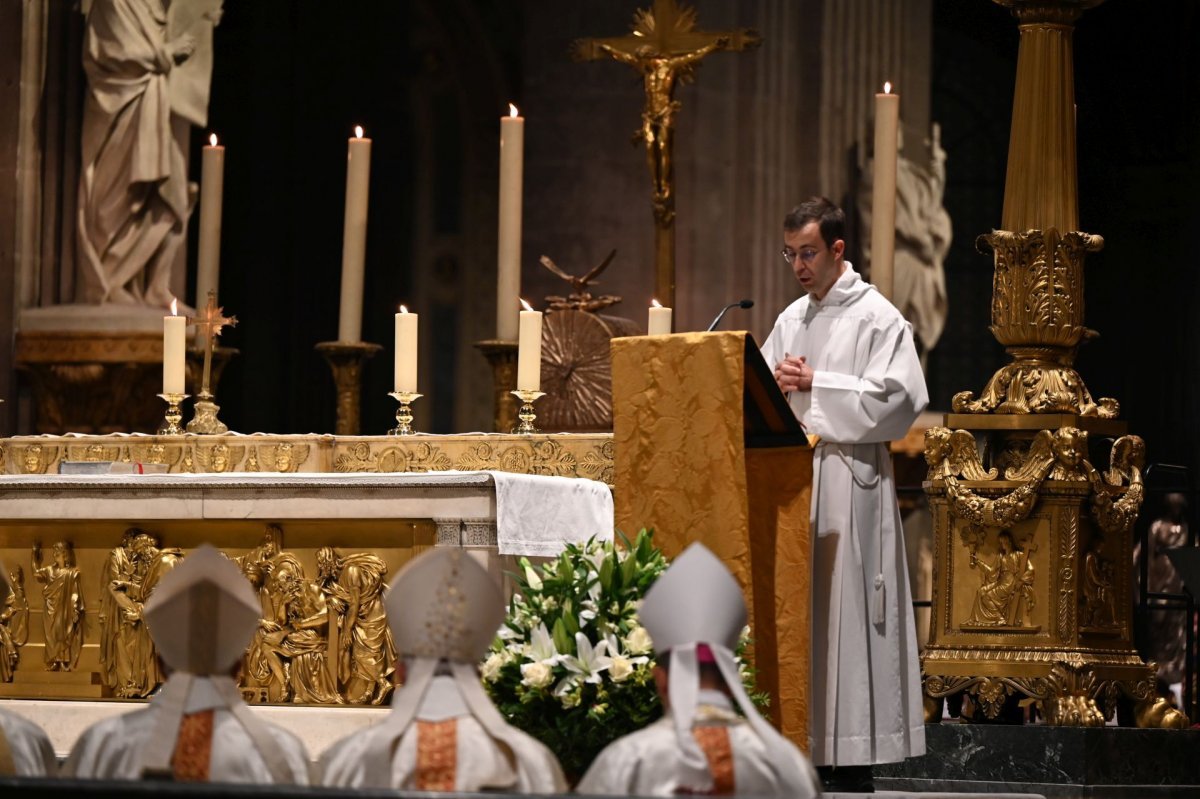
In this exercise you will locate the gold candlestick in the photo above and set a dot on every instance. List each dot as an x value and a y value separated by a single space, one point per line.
346 359
170 424
404 415
526 414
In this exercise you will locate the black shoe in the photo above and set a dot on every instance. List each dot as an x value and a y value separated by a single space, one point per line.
846 779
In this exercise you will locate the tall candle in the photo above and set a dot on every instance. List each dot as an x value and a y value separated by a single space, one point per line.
659 323
508 258
354 236
406 352
883 198
212 186
174 342
529 350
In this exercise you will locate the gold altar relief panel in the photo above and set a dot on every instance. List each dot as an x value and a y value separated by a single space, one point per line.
997 576
323 638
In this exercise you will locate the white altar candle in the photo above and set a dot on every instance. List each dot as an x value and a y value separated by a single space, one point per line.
406 352
529 350
212 183
174 342
354 236
659 323
883 198
508 257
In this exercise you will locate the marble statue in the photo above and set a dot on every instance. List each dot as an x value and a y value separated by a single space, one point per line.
134 197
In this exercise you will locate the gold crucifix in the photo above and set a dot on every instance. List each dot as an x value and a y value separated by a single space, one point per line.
209 322
665 48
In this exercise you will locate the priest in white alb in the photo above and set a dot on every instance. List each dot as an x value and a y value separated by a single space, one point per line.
443 732
845 357
197 728
711 739
25 749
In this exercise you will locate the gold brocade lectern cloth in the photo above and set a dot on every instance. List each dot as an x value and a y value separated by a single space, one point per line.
707 450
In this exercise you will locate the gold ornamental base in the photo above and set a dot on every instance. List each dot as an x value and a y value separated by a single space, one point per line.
204 421
171 420
404 416
1032 590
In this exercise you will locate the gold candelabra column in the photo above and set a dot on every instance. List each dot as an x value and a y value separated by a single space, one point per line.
346 360
502 356
1032 593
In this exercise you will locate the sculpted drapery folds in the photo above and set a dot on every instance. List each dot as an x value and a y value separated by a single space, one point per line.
1006 591
365 653
63 608
305 640
118 568
136 670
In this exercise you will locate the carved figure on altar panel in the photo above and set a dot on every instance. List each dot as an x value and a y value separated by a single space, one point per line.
10 653
365 654
118 567
1005 592
305 642
62 606
18 623
137 670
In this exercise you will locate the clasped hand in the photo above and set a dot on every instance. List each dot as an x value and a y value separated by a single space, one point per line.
794 374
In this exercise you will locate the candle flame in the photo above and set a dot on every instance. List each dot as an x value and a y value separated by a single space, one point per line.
403 309
887 87
655 304
526 305
174 307
213 140
358 131
512 110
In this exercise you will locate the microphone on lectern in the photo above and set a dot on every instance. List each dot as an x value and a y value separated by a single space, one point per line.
738 304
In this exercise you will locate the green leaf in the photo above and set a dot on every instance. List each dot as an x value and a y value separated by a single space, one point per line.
606 573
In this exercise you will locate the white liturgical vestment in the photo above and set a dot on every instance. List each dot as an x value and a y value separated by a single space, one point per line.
113 748
478 763
647 762
27 746
867 389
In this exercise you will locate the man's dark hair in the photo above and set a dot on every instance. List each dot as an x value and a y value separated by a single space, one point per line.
830 219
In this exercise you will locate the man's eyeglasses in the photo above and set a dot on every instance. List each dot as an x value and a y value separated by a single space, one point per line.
807 255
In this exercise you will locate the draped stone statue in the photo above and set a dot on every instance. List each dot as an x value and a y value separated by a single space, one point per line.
134 198
923 234
62 607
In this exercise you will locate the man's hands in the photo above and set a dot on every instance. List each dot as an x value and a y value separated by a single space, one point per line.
794 374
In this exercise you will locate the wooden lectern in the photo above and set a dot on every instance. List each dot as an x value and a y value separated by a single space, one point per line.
708 450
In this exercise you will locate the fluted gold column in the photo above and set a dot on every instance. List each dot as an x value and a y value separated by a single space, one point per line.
1042 188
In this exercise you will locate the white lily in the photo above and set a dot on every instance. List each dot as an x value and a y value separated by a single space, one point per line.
531 577
542 648
589 662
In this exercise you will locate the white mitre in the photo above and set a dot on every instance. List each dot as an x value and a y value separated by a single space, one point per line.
202 616
697 601
444 610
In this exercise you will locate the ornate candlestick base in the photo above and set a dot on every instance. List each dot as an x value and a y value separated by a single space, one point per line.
526 414
346 359
404 415
170 424
205 421
502 355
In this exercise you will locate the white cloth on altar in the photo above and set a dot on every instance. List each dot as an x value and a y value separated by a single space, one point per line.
868 389
32 753
480 764
112 748
539 515
647 762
